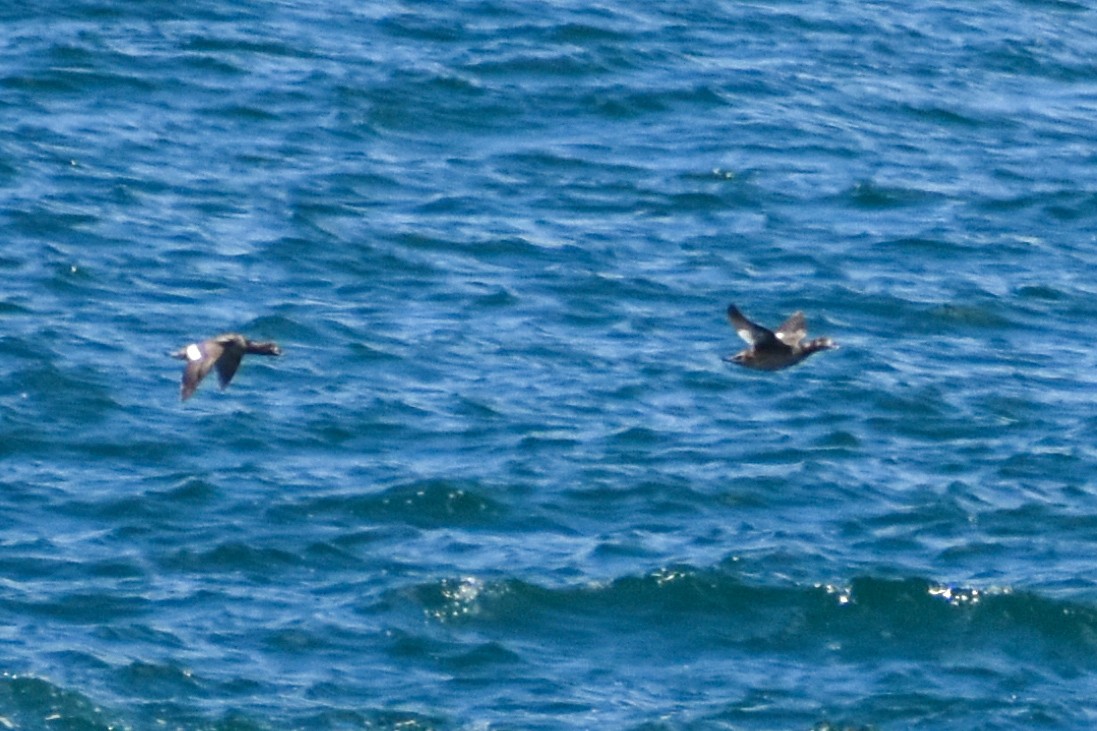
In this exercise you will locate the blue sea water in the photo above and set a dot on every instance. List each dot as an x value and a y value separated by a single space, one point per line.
502 478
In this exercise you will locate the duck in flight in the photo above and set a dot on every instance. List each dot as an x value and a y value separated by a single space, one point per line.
770 350
223 352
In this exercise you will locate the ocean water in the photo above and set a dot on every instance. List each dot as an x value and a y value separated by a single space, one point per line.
502 478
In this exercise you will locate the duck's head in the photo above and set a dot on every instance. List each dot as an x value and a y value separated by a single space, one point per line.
820 344
263 348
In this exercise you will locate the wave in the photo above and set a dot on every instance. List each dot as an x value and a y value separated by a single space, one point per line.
913 618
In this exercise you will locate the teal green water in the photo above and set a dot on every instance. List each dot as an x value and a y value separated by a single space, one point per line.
502 477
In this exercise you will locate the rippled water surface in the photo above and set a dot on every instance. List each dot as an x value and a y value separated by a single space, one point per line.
502 477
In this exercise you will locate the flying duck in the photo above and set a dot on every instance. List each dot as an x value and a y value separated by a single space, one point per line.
223 352
772 351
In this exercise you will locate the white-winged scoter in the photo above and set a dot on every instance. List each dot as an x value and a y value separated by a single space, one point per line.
224 352
772 351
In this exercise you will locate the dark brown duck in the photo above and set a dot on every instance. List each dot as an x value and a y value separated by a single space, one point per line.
773 350
223 352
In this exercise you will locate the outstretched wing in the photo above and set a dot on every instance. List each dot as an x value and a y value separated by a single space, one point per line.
793 330
227 365
753 334
200 359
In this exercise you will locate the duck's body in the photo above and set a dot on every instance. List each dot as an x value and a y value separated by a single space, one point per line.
223 352
773 350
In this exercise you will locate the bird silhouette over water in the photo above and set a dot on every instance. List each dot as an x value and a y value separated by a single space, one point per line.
772 351
223 352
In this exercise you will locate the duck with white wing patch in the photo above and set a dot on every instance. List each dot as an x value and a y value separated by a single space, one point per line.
223 352
773 350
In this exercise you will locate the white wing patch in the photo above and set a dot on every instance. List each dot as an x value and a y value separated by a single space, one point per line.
746 334
194 352
790 339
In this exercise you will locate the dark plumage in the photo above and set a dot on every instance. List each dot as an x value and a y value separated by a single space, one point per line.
772 351
223 352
